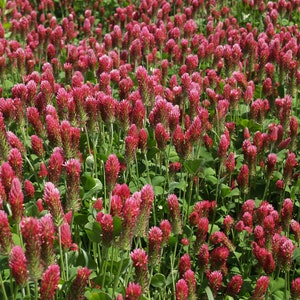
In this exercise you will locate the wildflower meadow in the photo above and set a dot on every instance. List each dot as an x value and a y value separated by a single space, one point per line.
149 149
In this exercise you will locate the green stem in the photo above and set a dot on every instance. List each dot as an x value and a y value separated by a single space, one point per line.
111 136
67 266
117 277
3 287
87 139
266 189
172 257
61 254
104 267
36 290
189 199
147 168
12 290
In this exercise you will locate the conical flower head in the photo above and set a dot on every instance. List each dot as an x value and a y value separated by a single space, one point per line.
140 262
47 239
155 239
76 291
17 264
15 160
234 285
295 289
130 212
7 174
65 236
16 199
174 214
182 290
184 264
189 277
73 169
215 279
107 225
166 229
49 282
112 169
133 291
243 178
147 198
261 287
52 198
5 233
32 239
55 165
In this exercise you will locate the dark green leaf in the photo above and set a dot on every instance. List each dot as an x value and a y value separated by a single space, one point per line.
177 185
158 280
117 225
93 231
192 166
158 180
97 188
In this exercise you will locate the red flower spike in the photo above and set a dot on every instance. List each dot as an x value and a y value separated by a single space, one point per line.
203 257
73 169
16 199
155 238
7 175
189 277
5 234
286 213
47 239
130 212
122 190
53 131
285 253
166 229
32 239
55 165
215 279
295 226
182 290
174 214
218 258
223 146
52 199
138 113
162 136
14 142
98 205
65 236
34 119
112 169
107 226
143 137
17 264
140 262
243 178
49 283
184 264
295 289
29 188
261 287
147 198
77 288
234 286
37 146
290 163
131 144
133 291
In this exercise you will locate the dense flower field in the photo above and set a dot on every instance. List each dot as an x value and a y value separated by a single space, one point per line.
149 149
